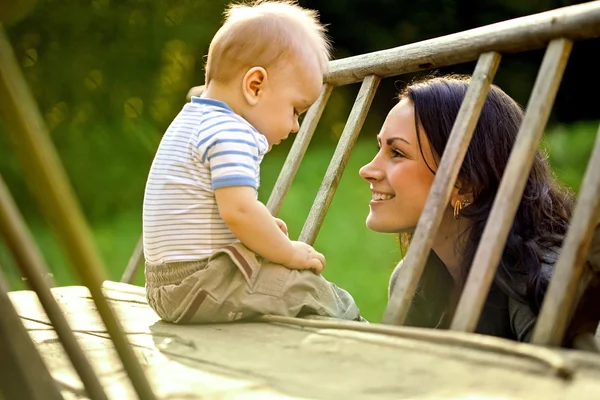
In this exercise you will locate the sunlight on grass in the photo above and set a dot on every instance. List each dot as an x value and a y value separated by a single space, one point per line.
358 260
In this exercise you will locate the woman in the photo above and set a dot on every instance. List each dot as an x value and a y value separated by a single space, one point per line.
411 142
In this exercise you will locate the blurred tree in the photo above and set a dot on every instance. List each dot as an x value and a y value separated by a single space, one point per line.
15 10
110 75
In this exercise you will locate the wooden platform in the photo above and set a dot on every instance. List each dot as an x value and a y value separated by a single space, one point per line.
279 361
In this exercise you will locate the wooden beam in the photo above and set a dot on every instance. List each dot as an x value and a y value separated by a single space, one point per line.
516 35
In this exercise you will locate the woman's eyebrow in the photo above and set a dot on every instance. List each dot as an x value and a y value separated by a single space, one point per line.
391 140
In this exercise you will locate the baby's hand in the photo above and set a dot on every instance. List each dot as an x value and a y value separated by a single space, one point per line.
305 257
281 226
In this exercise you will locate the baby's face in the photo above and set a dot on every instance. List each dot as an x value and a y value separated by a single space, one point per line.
292 90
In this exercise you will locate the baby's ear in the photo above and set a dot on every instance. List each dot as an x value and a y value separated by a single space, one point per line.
254 83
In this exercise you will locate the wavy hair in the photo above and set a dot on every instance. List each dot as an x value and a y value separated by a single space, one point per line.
544 211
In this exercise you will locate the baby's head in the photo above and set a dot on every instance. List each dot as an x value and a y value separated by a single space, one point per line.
272 56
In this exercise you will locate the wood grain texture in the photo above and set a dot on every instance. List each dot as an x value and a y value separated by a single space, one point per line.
296 154
281 361
516 35
58 202
504 208
33 267
561 295
340 158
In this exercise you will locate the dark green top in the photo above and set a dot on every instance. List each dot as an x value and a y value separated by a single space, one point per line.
502 316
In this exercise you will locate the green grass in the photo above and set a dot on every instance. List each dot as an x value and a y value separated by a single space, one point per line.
569 148
357 259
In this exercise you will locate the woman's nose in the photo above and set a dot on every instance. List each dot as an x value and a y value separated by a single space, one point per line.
370 172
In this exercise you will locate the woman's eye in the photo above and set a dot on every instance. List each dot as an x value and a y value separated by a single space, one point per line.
397 154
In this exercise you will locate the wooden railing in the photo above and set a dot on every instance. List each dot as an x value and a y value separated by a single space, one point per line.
556 30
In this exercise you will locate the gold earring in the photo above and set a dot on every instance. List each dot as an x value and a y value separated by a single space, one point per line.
458 206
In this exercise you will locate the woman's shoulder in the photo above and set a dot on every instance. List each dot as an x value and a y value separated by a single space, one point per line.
394 277
433 264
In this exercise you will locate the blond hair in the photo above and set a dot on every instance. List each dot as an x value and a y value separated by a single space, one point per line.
262 33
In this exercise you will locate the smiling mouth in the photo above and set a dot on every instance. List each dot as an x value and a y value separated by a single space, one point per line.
382 196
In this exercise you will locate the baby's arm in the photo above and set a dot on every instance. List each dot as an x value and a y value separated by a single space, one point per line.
252 223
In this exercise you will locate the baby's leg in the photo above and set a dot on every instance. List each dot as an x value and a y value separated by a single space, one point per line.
233 284
276 290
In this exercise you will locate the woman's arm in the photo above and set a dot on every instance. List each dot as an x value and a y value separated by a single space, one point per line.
393 278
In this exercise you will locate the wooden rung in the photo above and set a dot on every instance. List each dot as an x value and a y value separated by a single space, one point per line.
489 251
29 259
23 374
562 291
334 172
446 176
135 262
46 173
296 154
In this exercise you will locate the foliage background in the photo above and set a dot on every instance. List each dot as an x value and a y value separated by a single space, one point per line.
109 76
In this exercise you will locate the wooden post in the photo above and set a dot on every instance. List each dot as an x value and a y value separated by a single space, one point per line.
562 291
493 239
445 178
23 374
294 158
46 174
339 160
33 267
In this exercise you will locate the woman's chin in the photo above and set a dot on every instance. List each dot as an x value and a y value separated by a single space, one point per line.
380 226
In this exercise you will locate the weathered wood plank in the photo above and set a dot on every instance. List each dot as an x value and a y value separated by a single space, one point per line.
23 373
439 196
33 267
520 34
279 361
493 239
49 179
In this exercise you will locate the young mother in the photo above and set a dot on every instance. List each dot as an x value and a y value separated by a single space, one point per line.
411 143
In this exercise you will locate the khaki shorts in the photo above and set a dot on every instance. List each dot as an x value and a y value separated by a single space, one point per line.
232 284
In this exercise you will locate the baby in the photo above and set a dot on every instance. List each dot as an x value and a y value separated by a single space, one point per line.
264 68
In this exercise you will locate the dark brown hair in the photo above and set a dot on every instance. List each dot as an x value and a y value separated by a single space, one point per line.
544 212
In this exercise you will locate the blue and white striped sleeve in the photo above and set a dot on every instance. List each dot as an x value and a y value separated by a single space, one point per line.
232 154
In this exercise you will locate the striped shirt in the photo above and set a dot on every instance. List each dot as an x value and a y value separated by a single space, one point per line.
206 147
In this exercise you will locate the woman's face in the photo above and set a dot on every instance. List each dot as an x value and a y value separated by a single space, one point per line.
399 177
